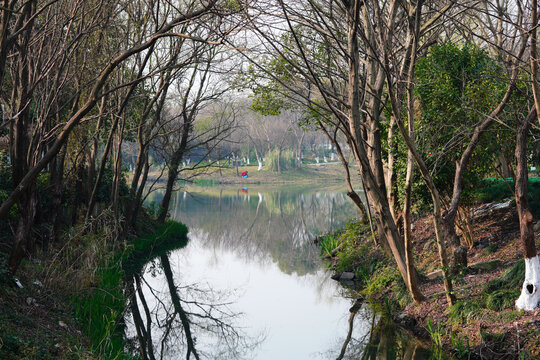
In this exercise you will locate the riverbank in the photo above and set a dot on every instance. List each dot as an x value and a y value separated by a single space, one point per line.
307 174
483 323
74 309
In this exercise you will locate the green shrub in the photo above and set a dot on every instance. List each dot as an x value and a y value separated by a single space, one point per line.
493 189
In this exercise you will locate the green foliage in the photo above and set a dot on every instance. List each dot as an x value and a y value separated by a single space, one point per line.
101 310
387 282
457 87
206 182
105 186
376 278
493 189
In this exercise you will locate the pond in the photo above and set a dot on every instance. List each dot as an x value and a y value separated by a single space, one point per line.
250 283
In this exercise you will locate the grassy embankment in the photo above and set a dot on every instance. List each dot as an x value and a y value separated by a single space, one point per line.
83 291
484 319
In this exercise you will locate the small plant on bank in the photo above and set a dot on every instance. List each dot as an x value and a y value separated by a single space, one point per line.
462 347
436 332
328 243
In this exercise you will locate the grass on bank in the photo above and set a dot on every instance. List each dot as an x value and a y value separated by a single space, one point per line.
83 289
377 278
100 310
490 306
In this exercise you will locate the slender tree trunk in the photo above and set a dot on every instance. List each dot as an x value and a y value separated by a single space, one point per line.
117 169
57 181
23 242
391 177
503 164
417 296
138 199
395 99
20 151
94 149
92 200
534 57
176 159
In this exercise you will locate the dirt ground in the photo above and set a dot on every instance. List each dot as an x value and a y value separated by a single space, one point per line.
506 334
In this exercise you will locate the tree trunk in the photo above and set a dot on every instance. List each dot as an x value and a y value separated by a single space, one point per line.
382 214
534 57
117 170
92 200
530 292
503 165
173 170
138 199
23 242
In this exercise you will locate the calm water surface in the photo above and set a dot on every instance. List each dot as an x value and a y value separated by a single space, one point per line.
250 283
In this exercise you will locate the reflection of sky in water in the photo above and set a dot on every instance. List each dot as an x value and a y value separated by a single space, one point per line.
300 316
301 313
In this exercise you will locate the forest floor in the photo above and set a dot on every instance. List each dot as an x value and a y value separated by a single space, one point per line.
37 322
484 321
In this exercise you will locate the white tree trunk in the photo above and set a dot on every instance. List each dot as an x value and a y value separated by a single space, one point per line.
530 292
260 165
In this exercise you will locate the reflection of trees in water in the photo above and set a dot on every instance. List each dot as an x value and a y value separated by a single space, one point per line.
280 224
383 341
184 321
